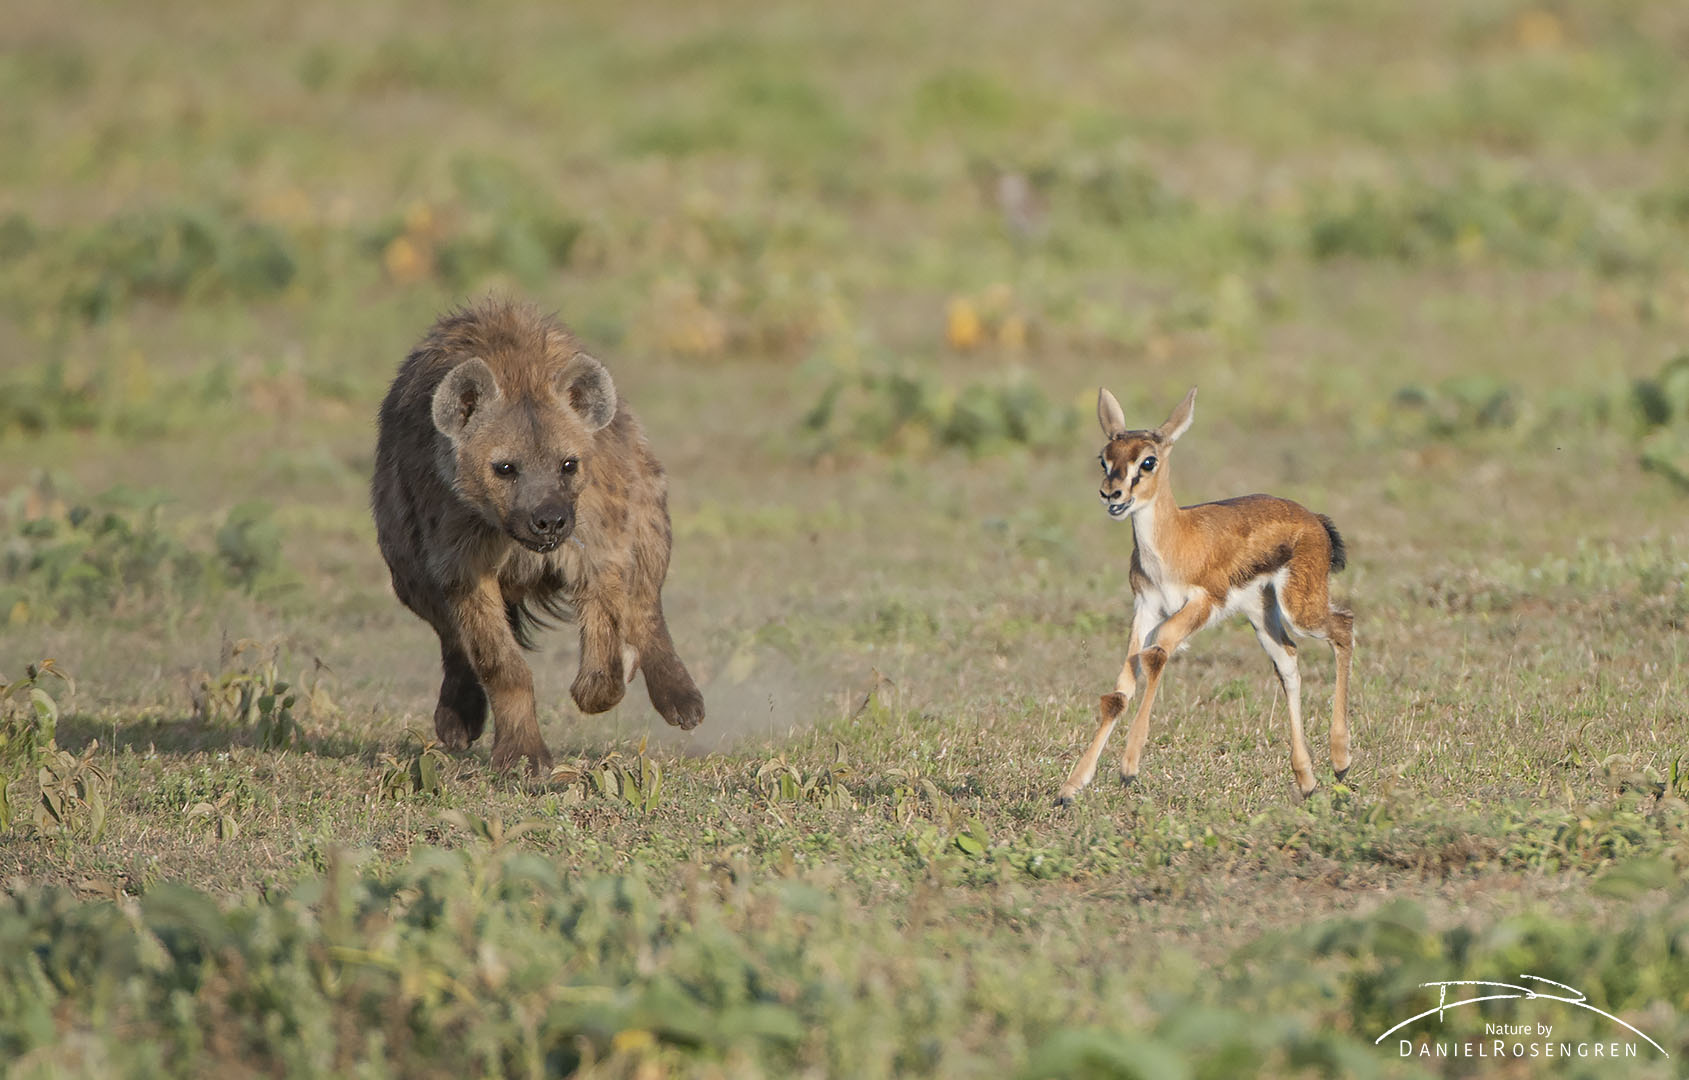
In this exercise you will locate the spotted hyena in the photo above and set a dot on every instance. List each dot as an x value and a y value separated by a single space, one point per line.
513 484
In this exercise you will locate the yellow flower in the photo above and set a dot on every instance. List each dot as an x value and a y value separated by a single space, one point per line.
632 1039
962 328
1539 31
404 261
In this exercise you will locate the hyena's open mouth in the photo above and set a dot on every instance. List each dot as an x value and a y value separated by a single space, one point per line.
539 547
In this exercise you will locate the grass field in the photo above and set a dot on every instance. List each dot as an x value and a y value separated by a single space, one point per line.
860 270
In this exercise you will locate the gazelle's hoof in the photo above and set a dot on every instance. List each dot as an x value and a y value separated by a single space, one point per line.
1128 779
1304 795
1340 773
1063 801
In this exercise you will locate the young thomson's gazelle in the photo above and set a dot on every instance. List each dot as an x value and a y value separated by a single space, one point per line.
1264 557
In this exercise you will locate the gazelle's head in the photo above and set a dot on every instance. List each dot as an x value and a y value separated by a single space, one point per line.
1134 462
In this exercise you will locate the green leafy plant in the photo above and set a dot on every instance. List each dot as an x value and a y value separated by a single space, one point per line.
120 394
251 694
219 815
62 558
894 410
416 774
172 255
911 794
1460 405
117 552
73 789
972 839
491 831
780 781
1662 409
638 783
1469 217
249 542
29 717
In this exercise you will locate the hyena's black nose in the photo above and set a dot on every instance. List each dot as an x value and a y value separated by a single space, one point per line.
550 519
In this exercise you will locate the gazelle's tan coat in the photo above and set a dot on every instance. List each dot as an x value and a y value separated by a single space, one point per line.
1266 558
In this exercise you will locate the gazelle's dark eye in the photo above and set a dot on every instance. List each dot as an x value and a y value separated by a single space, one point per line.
504 468
1147 465
571 464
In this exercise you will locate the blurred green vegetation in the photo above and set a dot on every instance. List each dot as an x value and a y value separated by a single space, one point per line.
486 959
118 556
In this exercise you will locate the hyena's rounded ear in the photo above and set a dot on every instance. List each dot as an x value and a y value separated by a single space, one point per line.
462 395
1180 420
585 386
1109 414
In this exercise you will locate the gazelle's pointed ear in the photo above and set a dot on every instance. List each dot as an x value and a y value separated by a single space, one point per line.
1180 420
1109 414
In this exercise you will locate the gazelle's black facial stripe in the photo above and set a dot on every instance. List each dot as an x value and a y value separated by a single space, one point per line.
1111 475
1142 468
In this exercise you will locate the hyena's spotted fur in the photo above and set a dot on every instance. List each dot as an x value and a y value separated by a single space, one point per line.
511 484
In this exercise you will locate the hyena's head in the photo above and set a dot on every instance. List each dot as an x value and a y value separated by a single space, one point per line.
1134 463
522 451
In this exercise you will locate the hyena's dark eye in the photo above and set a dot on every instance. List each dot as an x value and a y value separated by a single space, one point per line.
1148 465
571 464
504 468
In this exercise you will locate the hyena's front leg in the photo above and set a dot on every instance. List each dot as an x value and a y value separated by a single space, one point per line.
673 693
461 714
497 660
600 683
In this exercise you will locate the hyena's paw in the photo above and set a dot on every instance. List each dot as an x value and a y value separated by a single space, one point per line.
598 691
454 730
460 716
681 706
450 729
673 693
508 755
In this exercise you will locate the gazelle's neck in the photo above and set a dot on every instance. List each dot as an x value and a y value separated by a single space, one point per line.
1151 524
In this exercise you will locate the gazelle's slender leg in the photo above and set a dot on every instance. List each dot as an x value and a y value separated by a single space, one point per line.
1111 706
1146 620
1341 629
1179 626
1278 647
1109 709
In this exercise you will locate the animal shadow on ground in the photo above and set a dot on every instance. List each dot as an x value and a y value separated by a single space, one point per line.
182 736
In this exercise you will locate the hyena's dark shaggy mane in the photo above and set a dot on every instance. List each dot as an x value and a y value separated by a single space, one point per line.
537 613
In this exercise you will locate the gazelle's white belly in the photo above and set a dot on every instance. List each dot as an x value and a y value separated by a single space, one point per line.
1249 599
1167 597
